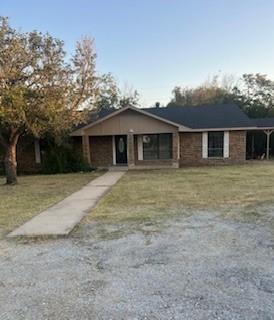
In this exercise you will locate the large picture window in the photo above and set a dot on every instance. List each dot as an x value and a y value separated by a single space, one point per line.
157 146
216 144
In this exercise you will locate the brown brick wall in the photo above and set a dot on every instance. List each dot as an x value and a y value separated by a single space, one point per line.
77 144
25 156
131 153
237 142
191 149
101 151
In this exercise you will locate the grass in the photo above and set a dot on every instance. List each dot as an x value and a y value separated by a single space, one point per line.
21 202
148 195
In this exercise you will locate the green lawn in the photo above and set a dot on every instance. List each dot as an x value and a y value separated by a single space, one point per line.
34 193
148 195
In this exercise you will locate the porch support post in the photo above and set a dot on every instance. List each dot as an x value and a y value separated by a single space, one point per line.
86 148
130 150
268 133
175 149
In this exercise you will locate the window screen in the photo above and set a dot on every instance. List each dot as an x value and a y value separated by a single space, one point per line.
215 144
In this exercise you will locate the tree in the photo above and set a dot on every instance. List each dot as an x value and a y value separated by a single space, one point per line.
108 93
129 97
255 95
39 91
213 91
111 96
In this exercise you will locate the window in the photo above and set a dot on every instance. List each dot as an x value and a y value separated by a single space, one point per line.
150 146
157 146
216 144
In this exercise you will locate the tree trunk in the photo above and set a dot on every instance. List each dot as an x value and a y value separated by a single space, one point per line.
10 162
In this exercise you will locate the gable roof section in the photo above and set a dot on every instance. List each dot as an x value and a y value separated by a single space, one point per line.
205 116
103 115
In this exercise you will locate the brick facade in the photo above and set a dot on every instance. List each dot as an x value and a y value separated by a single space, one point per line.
26 159
101 151
131 142
237 141
86 148
191 149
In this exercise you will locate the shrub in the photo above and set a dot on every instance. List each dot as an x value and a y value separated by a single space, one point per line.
63 159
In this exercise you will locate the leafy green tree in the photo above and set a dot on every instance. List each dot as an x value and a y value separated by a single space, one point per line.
211 92
255 95
111 96
108 93
128 97
39 90
214 91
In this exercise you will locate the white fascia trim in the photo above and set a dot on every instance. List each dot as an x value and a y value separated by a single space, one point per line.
219 129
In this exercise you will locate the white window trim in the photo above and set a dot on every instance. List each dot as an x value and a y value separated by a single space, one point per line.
140 147
226 144
113 151
205 145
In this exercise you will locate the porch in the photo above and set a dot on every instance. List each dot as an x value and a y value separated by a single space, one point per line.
134 151
260 144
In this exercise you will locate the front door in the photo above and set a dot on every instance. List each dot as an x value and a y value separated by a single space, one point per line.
121 149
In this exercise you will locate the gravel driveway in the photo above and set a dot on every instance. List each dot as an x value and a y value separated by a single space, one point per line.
196 267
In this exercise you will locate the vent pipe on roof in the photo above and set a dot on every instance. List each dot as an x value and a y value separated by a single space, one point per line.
157 105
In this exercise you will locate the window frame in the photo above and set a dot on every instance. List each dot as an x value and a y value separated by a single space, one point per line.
211 150
158 146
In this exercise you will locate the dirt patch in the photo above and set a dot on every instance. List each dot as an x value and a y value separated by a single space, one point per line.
199 266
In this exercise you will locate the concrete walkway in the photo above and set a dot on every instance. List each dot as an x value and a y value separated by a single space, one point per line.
62 217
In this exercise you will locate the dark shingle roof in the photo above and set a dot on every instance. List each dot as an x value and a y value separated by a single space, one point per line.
205 116
195 117
263 122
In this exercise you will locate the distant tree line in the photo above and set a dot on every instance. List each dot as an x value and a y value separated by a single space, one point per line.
253 93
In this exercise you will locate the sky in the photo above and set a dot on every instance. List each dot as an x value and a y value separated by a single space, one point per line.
155 45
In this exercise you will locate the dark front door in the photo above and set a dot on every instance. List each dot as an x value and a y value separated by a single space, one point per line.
121 149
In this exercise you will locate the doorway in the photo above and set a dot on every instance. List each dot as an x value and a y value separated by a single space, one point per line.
121 149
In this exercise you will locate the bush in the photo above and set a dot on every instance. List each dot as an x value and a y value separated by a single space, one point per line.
2 168
63 159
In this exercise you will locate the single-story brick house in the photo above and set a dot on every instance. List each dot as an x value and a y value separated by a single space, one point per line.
169 136
163 137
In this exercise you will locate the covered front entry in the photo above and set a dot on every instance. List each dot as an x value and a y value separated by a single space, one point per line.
120 149
131 138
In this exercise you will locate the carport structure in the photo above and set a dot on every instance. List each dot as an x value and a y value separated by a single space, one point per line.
259 142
